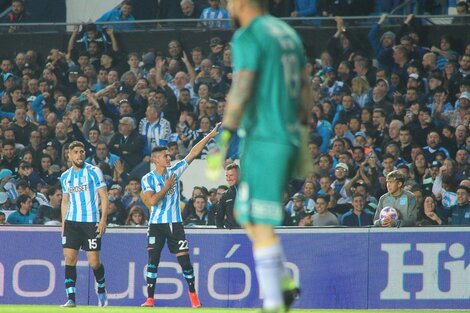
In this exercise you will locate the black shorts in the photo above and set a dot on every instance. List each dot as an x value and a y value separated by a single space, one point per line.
158 233
81 235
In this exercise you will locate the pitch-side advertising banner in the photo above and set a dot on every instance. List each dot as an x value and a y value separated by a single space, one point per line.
336 268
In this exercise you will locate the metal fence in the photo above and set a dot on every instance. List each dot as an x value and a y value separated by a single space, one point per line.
312 22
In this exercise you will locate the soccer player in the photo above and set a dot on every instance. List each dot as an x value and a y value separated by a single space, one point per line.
402 200
161 190
269 101
83 189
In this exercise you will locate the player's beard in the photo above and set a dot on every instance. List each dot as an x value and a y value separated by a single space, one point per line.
79 165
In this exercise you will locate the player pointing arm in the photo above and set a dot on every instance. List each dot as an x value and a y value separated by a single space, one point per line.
161 192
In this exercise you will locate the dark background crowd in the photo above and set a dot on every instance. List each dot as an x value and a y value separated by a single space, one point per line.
401 103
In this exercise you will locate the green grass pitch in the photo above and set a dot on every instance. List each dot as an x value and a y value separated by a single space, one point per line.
123 309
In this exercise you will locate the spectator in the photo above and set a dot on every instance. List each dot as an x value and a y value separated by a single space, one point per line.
196 135
445 52
6 204
324 217
3 218
455 117
304 8
27 173
102 154
189 206
121 14
299 214
224 210
190 9
382 48
37 197
128 144
45 211
429 216
215 13
343 44
200 215
422 127
18 15
133 195
464 63
155 129
340 183
217 47
460 213
433 141
23 215
136 217
117 214
10 158
359 215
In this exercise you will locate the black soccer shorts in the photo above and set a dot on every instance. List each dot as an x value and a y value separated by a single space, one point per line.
81 235
173 232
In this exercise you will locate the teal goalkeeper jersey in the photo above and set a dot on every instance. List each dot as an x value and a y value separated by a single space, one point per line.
274 51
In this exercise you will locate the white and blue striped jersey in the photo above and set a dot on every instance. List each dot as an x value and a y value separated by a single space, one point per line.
156 134
168 209
210 14
82 187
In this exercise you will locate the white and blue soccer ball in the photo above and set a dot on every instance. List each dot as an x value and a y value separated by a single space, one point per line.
389 211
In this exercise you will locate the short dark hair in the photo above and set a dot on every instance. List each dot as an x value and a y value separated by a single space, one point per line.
8 143
22 199
405 128
134 178
356 195
23 184
324 197
464 188
159 149
52 190
425 109
200 197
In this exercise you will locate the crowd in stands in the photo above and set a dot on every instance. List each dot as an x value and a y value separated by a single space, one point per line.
404 105
211 12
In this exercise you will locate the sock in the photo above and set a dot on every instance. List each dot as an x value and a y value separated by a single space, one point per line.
70 279
270 270
151 279
188 271
151 274
99 276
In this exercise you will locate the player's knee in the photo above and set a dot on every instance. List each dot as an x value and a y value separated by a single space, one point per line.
70 259
184 261
154 257
94 263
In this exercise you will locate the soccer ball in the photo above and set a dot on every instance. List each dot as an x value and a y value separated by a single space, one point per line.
389 211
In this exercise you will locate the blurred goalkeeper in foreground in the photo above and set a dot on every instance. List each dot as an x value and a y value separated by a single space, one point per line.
268 101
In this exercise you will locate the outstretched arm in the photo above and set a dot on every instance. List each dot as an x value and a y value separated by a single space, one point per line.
196 150
71 43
